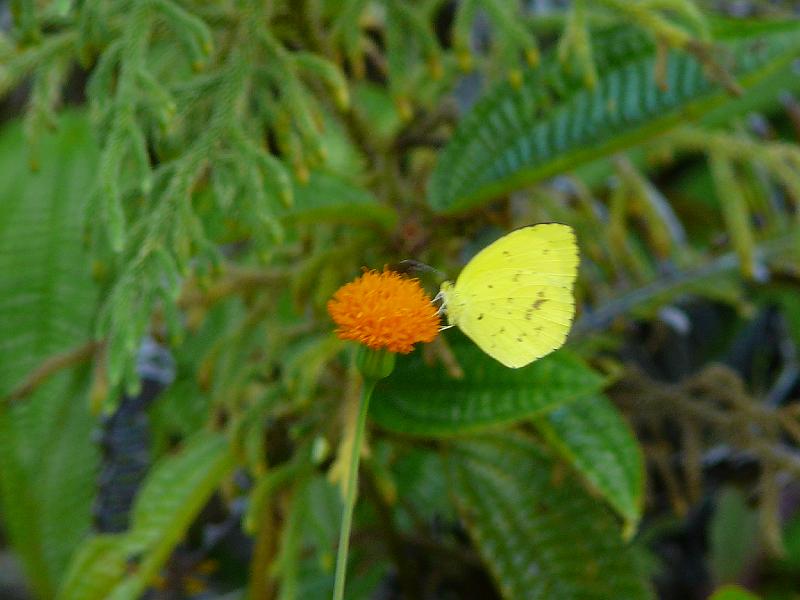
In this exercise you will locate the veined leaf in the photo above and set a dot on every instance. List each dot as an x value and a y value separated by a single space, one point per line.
540 536
420 483
733 535
328 197
175 491
97 565
515 137
418 399
47 300
598 443
46 293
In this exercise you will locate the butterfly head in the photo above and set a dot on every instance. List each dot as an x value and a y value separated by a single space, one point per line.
450 304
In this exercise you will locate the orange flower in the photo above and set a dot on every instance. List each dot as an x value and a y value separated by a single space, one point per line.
384 310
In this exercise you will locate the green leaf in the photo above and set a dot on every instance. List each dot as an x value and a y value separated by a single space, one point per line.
418 399
328 197
47 299
321 523
175 491
97 565
733 535
47 476
598 443
46 293
516 137
733 592
418 475
541 536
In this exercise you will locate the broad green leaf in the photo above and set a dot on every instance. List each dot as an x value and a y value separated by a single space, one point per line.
328 197
733 535
97 565
47 301
175 491
422 487
418 399
516 137
733 592
46 293
540 535
598 443
321 525
47 477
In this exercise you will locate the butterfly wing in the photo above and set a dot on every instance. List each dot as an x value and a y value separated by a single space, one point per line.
515 297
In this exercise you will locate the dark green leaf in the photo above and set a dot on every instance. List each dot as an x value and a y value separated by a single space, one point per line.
47 299
515 137
421 400
172 496
733 535
542 537
174 492
422 486
598 443
733 592
98 564
46 293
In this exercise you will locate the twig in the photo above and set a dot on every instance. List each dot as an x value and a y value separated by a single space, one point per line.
671 284
238 280
50 367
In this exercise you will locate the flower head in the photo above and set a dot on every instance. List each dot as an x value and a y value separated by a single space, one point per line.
384 310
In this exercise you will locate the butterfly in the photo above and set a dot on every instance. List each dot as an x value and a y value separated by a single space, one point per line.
515 298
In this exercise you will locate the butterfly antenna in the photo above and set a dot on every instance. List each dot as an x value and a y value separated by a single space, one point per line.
410 266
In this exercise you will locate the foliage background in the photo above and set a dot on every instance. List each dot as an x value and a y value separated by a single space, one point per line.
186 184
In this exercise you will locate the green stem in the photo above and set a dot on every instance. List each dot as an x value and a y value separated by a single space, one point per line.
352 486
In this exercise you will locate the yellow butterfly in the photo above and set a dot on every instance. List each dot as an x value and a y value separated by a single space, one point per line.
514 299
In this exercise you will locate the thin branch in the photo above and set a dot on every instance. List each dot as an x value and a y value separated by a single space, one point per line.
50 367
233 282
600 317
